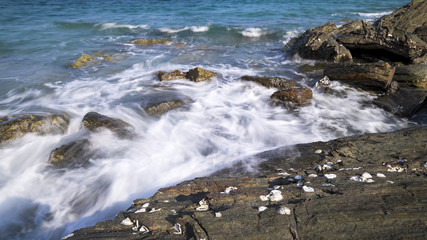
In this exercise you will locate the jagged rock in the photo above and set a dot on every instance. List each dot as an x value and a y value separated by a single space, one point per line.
338 208
404 103
82 60
165 76
318 44
300 95
411 75
163 107
392 37
352 26
269 82
15 126
199 74
364 75
421 32
149 42
72 153
93 121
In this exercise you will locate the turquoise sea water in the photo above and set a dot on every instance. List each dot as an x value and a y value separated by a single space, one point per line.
227 120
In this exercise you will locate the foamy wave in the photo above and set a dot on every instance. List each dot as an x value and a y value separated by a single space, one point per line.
199 28
253 32
373 15
105 26
289 35
192 28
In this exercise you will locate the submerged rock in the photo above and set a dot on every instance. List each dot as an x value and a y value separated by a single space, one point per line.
364 75
269 82
163 107
82 60
318 44
199 74
12 127
300 95
165 76
149 41
72 153
93 121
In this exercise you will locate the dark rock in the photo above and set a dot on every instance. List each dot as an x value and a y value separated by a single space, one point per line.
199 74
364 75
318 44
404 103
269 82
421 32
71 154
149 41
165 76
12 127
300 95
411 75
353 26
388 208
94 121
163 107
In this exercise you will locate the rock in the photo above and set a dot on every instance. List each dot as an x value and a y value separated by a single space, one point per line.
94 121
149 42
199 74
300 95
404 103
393 37
318 44
364 75
82 60
352 26
71 154
421 32
12 127
165 76
269 82
163 107
347 208
411 75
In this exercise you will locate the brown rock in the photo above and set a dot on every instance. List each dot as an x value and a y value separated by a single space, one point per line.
166 76
149 42
411 75
94 121
269 82
163 107
404 103
300 95
82 60
71 153
199 74
364 75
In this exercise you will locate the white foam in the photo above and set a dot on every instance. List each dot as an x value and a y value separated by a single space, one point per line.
199 28
374 14
104 26
172 30
253 32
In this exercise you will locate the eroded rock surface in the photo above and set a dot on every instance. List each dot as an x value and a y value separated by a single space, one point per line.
82 61
197 74
300 95
94 121
270 82
149 41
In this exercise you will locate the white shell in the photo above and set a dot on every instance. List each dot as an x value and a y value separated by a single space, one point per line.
366 175
145 205
144 229
275 195
263 198
204 206
155 210
369 180
262 208
283 174
127 222
380 175
229 189
298 177
68 236
330 176
312 175
177 228
327 185
218 214
318 151
356 178
284 210
308 189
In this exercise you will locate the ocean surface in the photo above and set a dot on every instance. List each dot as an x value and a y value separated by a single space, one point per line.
227 120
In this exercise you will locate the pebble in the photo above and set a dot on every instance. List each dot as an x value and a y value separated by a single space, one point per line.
274 196
218 214
127 222
380 175
203 206
330 176
284 210
229 189
318 151
308 189
262 208
366 175
144 229
312 176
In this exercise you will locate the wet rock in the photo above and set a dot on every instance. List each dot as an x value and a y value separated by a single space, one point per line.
199 74
94 121
163 107
364 75
149 41
404 103
82 60
71 154
300 95
352 26
165 76
269 82
12 127
421 32
318 44
411 75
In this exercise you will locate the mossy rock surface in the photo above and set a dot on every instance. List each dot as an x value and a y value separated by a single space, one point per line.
82 60
150 41
94 121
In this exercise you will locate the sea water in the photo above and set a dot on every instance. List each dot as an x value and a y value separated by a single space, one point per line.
226 121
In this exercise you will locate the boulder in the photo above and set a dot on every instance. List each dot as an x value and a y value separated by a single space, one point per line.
364 75
163 107
404 103
421 32
93 121
300 95
165 76
149 42
411 75
12 127
275 82
71 154
82 60
199 74
318 44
